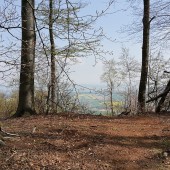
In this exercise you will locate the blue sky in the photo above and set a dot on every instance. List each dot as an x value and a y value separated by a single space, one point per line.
85 72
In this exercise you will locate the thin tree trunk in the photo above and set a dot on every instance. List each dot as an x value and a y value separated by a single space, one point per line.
145 58
111 97
48 99
26 87
52 51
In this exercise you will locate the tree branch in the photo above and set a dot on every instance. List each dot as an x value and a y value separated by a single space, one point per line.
167 90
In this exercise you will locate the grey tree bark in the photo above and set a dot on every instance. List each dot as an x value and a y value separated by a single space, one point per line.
52 52
26 87
111 97
163 96
162 100
145 57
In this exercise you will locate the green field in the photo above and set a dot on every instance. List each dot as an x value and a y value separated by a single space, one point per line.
96 102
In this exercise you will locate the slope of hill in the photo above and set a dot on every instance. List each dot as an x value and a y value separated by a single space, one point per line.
97 104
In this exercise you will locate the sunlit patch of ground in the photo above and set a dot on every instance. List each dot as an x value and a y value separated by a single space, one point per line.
87 142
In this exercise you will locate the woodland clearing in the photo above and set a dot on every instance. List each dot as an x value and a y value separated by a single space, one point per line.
74 142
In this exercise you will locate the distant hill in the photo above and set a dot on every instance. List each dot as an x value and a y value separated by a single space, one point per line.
96 101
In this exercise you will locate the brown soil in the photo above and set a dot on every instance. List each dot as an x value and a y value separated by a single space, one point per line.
87 142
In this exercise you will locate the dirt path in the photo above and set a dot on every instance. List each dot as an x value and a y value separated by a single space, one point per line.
87 143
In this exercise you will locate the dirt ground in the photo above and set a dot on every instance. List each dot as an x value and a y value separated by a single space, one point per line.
87 142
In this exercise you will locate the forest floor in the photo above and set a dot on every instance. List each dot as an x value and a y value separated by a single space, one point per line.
75 142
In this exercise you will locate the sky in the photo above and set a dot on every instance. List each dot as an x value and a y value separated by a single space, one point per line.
89 72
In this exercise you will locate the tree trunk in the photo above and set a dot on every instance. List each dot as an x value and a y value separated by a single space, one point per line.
52 52
111 97
162 100
145 58
26 87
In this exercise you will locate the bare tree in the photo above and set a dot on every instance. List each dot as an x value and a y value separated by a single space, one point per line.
157 77
129 69
163 97
160 33
26 87
145 57
81 39
75 38
53 62
9 28
112 78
